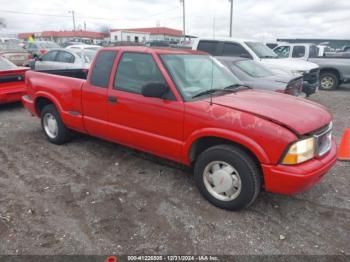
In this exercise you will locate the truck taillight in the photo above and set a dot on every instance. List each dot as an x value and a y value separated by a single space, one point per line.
43 51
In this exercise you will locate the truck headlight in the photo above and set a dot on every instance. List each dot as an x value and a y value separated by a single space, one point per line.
300 152
299 72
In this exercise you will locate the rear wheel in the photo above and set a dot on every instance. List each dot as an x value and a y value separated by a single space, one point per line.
328 81
227 177
53 126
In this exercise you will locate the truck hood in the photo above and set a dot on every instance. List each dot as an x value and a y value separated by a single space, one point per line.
297 114
288 65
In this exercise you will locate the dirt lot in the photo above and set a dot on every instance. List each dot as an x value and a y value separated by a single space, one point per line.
95 197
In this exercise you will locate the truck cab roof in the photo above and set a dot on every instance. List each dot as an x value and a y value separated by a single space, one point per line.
156 50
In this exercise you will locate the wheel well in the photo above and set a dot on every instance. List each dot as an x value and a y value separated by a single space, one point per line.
40 103
204 143
331 70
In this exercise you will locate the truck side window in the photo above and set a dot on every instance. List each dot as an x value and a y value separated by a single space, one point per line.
208 46
282 51
298 51
232 49
136 70
102 68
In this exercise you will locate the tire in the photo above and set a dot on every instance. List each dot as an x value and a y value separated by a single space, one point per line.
62 134
329 81
245 171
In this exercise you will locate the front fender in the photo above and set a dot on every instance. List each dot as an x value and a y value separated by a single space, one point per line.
230 135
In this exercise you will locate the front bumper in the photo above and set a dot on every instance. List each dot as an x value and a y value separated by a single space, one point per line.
12 94
289 180
309 88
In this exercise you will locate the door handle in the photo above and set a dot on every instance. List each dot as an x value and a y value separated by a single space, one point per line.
112 100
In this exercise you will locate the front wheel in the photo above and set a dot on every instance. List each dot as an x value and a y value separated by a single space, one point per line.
227 177
328 81
53 126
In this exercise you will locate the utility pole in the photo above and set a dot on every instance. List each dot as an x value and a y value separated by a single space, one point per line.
183 19
73 16
231 15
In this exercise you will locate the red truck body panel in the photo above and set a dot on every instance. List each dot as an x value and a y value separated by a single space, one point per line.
12 85
264 123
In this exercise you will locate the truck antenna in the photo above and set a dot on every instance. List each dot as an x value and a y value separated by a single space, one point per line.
212 80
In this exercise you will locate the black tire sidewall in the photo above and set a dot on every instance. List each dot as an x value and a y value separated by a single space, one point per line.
245 166
335 78
63 132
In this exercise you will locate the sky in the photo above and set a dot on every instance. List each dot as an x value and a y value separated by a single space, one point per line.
265 20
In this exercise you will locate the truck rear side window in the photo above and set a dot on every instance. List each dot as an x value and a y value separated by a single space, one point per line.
298 51
136 70
232 49
208 46
102 69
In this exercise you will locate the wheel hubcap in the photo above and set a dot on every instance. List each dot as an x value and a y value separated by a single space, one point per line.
327 82
222 180
50 125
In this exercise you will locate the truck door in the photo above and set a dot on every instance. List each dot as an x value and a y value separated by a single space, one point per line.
94 94
150 124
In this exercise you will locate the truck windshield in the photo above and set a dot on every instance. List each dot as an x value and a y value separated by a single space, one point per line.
254 69
198 74
261 50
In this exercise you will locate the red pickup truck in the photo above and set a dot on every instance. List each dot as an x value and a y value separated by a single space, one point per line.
185 106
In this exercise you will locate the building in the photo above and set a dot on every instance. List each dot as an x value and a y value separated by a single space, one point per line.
68 36
333 43
143 35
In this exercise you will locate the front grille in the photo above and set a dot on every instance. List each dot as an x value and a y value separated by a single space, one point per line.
313 76
294 87
324 140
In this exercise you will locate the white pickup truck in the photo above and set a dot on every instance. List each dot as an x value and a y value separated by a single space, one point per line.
260 52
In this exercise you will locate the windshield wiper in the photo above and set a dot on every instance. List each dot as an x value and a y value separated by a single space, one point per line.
235 86
207 92
230 88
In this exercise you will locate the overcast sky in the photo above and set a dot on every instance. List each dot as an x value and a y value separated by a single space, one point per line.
260 19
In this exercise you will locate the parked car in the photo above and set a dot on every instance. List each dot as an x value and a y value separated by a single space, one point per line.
333 70
12 86
186 106
64 59
39 48
15 54
256 75
84 47
259 52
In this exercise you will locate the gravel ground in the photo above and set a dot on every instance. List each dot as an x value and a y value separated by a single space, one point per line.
94 197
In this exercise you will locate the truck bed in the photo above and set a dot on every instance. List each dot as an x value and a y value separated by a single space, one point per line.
74 73
64 91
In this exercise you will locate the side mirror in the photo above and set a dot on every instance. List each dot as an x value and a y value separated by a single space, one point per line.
155 89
